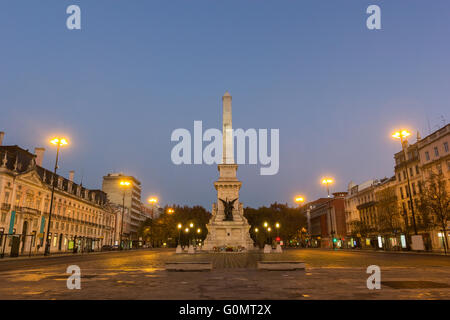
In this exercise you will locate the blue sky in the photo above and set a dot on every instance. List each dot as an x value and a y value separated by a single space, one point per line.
140 69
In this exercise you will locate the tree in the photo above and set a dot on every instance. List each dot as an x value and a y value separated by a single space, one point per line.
291 221
388 211
164 228
435 200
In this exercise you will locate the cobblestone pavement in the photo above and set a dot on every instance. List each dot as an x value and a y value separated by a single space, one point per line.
141 275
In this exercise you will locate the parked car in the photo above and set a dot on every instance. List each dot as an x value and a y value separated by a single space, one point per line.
115 247
107 248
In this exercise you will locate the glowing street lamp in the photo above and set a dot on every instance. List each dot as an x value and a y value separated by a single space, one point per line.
265 224
256 230
402 135
327 182
170 211
277 225
179 226
58 142
299 199
124 184
191 225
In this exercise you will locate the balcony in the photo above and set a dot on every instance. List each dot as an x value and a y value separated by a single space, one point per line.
6 206
29 210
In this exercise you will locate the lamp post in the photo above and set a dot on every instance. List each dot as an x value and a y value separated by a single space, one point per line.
187 233
270 237
153 201
179 226
58 142
402 135
266 225
199 231
327 182
277 225
124 184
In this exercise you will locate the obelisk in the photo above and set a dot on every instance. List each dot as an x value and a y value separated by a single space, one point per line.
227 226
227 131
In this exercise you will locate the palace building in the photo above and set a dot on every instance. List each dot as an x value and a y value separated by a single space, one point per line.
82 219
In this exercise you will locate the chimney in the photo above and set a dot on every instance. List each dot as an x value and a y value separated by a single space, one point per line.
2 135
39 152
71 173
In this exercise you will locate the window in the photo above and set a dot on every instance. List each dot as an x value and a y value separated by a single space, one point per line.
446 146
436 152
417 169
411 173
401 192
427 156
413 188
404 174
399 177
439 168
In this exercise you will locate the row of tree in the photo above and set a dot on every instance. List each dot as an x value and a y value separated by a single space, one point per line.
164 229
432 210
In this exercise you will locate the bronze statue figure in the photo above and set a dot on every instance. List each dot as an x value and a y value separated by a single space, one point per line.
228 209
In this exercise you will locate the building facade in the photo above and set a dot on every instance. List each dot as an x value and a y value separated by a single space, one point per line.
82 220
130 197
327 221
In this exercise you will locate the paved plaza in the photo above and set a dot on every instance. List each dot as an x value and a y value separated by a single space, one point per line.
141 274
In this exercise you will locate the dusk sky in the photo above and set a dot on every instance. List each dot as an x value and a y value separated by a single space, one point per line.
137 70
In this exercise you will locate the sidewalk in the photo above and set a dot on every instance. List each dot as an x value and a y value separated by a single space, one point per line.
59 255
389 251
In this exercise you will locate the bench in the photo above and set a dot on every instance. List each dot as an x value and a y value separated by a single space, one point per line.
281 265
188 266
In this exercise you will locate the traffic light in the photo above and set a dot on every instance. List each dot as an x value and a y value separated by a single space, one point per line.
334 240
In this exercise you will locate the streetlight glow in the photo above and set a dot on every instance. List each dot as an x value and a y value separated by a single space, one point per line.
277 225
170 211
265 224
401 134
179 226
191 225
256 229
153 200
299 199
124 183
59 141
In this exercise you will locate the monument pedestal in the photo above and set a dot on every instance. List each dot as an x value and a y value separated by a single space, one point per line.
228 226
222 232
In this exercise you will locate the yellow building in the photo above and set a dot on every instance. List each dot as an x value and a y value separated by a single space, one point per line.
82 220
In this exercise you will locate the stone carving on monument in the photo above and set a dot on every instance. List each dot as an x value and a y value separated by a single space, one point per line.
228 226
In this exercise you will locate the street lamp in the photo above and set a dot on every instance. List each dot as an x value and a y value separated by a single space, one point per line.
277 225
402 135
153 201
327 182
124 184
58 142
187 231
179 226
170 211
299 199
270 237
